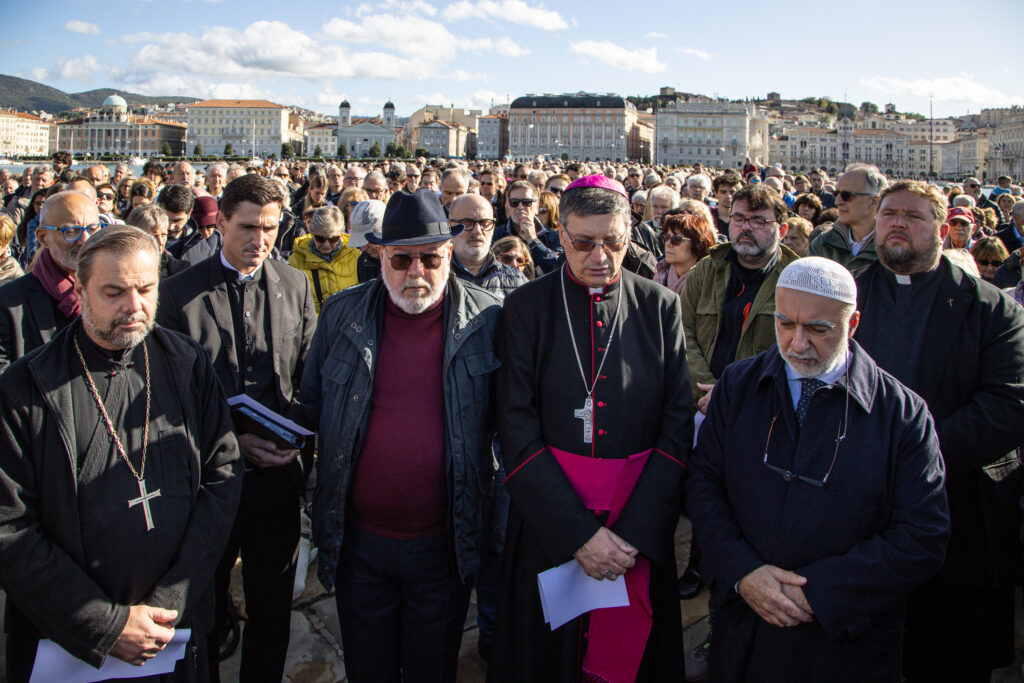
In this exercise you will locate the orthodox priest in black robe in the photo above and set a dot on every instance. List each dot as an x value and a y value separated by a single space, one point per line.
623 392
119 475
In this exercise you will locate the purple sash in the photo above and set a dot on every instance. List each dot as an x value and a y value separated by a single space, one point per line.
617 636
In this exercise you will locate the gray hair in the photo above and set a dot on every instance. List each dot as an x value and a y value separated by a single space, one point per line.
874 180
699 179
592 201
453 170
664 192
148 217
639 196
327 220
376 175
964 200
217 166
1018 208
119 239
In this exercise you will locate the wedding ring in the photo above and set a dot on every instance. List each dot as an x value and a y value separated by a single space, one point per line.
609 576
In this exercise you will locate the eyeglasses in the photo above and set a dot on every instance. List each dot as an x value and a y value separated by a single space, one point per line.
986 262
484 182
73 233
674 240
847 195
756 222
556 190
634 175
109 196
974 186
790 475
283 175
510 259
521 177
613 246
412 176
525 201
323 239
404 261
485 224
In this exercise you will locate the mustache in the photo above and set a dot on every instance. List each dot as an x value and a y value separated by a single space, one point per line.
139 317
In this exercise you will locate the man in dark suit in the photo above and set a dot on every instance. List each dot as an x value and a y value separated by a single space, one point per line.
255 317
35 306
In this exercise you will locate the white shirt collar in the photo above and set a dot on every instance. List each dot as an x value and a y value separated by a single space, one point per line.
227 265
828 377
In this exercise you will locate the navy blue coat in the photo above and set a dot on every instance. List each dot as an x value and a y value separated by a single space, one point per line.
875 531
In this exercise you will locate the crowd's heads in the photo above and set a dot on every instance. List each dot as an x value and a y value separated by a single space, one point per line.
366 217
66 222
476 216
454 183
595 218
151 219
250 212
989 254
757 224
815 314
696 231
125 260
327 229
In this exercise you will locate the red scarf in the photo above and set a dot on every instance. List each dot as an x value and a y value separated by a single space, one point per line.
57 283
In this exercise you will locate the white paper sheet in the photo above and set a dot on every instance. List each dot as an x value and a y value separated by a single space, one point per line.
566 592
698 420
55 665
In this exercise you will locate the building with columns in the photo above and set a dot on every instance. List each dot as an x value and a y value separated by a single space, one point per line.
713 132
115 130
359 134
577 126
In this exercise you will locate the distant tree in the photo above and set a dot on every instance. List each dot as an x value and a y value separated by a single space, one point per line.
810 100
846 110
229 150
915 116
869 107
421 152
375 150
389 151
565 156
198 151
401 152
318 151
166 149
287 150
342 151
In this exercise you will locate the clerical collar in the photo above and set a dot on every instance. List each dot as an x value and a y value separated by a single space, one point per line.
915 278
102 359
241 276
594 291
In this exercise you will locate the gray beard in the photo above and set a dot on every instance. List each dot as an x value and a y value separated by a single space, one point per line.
121 339
415 306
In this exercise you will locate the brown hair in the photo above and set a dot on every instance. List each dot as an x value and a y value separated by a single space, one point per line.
692 226
921 189
759 197
549 201
510 242
251 187
808 199
990 248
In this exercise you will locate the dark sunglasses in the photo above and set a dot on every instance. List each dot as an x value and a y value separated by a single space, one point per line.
556 190
674 240
404 261
974 186
589 245
525 201
510 260
847 195
521 177
105 195
321 239
986 262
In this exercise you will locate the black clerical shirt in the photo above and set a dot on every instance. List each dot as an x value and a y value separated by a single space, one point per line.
252 335
744 284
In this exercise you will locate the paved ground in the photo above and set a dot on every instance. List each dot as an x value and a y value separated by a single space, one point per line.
315 654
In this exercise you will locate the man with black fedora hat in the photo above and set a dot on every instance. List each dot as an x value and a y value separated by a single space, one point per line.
398 384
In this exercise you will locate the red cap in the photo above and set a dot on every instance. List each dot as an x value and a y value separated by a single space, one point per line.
205 211
960 213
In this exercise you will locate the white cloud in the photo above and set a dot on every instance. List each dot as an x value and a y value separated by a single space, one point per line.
409 35
618 56
505 47
514 11
397 5
77 68
655 35
694 52
85 27
39 74
960 88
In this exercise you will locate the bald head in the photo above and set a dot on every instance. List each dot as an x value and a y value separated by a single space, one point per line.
474 243
471 204
62 210
84 186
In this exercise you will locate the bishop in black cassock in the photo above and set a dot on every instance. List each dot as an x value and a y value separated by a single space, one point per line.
82 539
641 401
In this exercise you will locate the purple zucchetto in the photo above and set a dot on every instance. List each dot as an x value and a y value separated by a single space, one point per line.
600 181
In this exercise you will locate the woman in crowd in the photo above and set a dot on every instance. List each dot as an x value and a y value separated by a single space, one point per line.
142 192
808 207
989 253
323 255
348 198
687 239
29 219
124 196
316 190
547 210
106 198
512 251
1005 202
9 266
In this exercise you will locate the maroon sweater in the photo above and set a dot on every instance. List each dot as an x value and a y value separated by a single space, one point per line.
399 489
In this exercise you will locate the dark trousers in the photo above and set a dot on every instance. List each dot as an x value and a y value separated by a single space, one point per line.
402 609
266 532
488 576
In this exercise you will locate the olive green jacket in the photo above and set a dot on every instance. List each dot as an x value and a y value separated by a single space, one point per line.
834 244
703 300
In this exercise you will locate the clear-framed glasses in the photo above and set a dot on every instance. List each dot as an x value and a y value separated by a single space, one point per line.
756 222
485 224
73 233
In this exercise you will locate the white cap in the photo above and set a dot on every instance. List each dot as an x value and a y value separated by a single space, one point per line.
366 216
821 276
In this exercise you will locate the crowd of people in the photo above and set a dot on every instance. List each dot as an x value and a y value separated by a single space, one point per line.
511 368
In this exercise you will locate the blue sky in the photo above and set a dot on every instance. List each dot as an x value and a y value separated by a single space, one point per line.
475 52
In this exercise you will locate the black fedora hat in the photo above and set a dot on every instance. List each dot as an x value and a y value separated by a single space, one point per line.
412 219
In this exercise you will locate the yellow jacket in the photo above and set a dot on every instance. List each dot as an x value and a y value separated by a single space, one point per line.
326 278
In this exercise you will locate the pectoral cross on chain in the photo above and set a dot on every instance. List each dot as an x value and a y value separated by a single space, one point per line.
143 499
586 413
950 302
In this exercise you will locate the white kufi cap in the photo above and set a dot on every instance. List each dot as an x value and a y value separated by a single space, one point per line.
820 276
